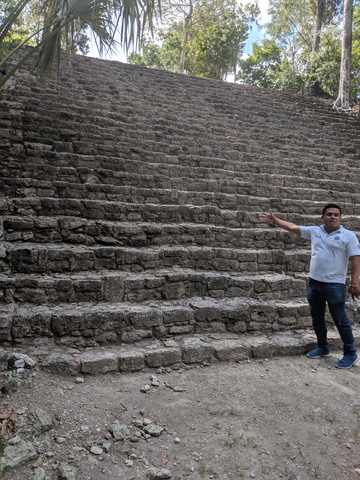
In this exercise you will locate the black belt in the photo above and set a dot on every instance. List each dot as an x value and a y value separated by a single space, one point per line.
316 282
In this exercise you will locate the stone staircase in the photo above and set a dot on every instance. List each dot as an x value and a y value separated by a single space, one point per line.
130 201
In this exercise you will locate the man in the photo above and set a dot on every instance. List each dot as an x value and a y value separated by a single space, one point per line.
331 247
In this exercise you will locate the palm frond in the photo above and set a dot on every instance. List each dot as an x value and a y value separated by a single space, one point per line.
9 21
105 19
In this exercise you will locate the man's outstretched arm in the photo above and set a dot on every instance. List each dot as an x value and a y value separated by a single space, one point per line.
354 279
269 217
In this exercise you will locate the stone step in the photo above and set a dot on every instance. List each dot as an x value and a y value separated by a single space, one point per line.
212 100
75 230
156 213
182 137
55 179
31 187
90 323
172 88
235 96
129 120
96 134
159 284
60 258
98 140
169 174
175 351
156 173
158 119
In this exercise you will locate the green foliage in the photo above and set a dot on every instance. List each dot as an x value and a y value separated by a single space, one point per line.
6 469
170 52
355 79
19 31
262 67
325 64
150 56
216 45
286 59
212 34
62 24
165 56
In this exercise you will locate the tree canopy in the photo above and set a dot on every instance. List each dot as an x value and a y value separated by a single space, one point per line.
303 48
205 39
50 27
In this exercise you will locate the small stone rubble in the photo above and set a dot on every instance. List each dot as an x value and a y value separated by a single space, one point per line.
29 435
225 420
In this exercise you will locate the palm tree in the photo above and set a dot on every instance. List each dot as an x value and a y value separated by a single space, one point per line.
104 19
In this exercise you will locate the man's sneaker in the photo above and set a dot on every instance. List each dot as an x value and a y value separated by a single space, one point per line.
347 361
318 352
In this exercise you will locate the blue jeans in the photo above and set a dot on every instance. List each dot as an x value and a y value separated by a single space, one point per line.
334 294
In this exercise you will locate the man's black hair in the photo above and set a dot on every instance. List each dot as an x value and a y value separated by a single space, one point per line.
330 205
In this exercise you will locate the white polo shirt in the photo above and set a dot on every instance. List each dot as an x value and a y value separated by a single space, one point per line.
330 252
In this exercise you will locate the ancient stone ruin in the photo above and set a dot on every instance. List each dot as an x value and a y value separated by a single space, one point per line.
130 201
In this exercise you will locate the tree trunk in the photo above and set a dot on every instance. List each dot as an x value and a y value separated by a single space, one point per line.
187 24
343 100
319 15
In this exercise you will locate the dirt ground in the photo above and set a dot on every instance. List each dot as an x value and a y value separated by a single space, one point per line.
279 418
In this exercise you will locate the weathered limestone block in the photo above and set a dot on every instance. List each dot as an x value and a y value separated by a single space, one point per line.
86 290
141 318
60 362
29 294
67 323
178 316
73 223
131 361
18 223
28 260
180 329
31 325
133 336
262 318
242 287
285 322
173 291
220 282
205 313
152 283
59 291
195 351
236 319
6 315
99 361
84 260
161 357
231 350
114 288
209 327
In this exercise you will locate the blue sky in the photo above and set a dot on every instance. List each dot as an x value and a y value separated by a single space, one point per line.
256 34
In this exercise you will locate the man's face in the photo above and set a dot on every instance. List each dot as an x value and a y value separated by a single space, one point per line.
331 219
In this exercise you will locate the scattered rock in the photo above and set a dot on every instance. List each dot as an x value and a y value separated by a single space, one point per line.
153 430
67 472
18 452
119 431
